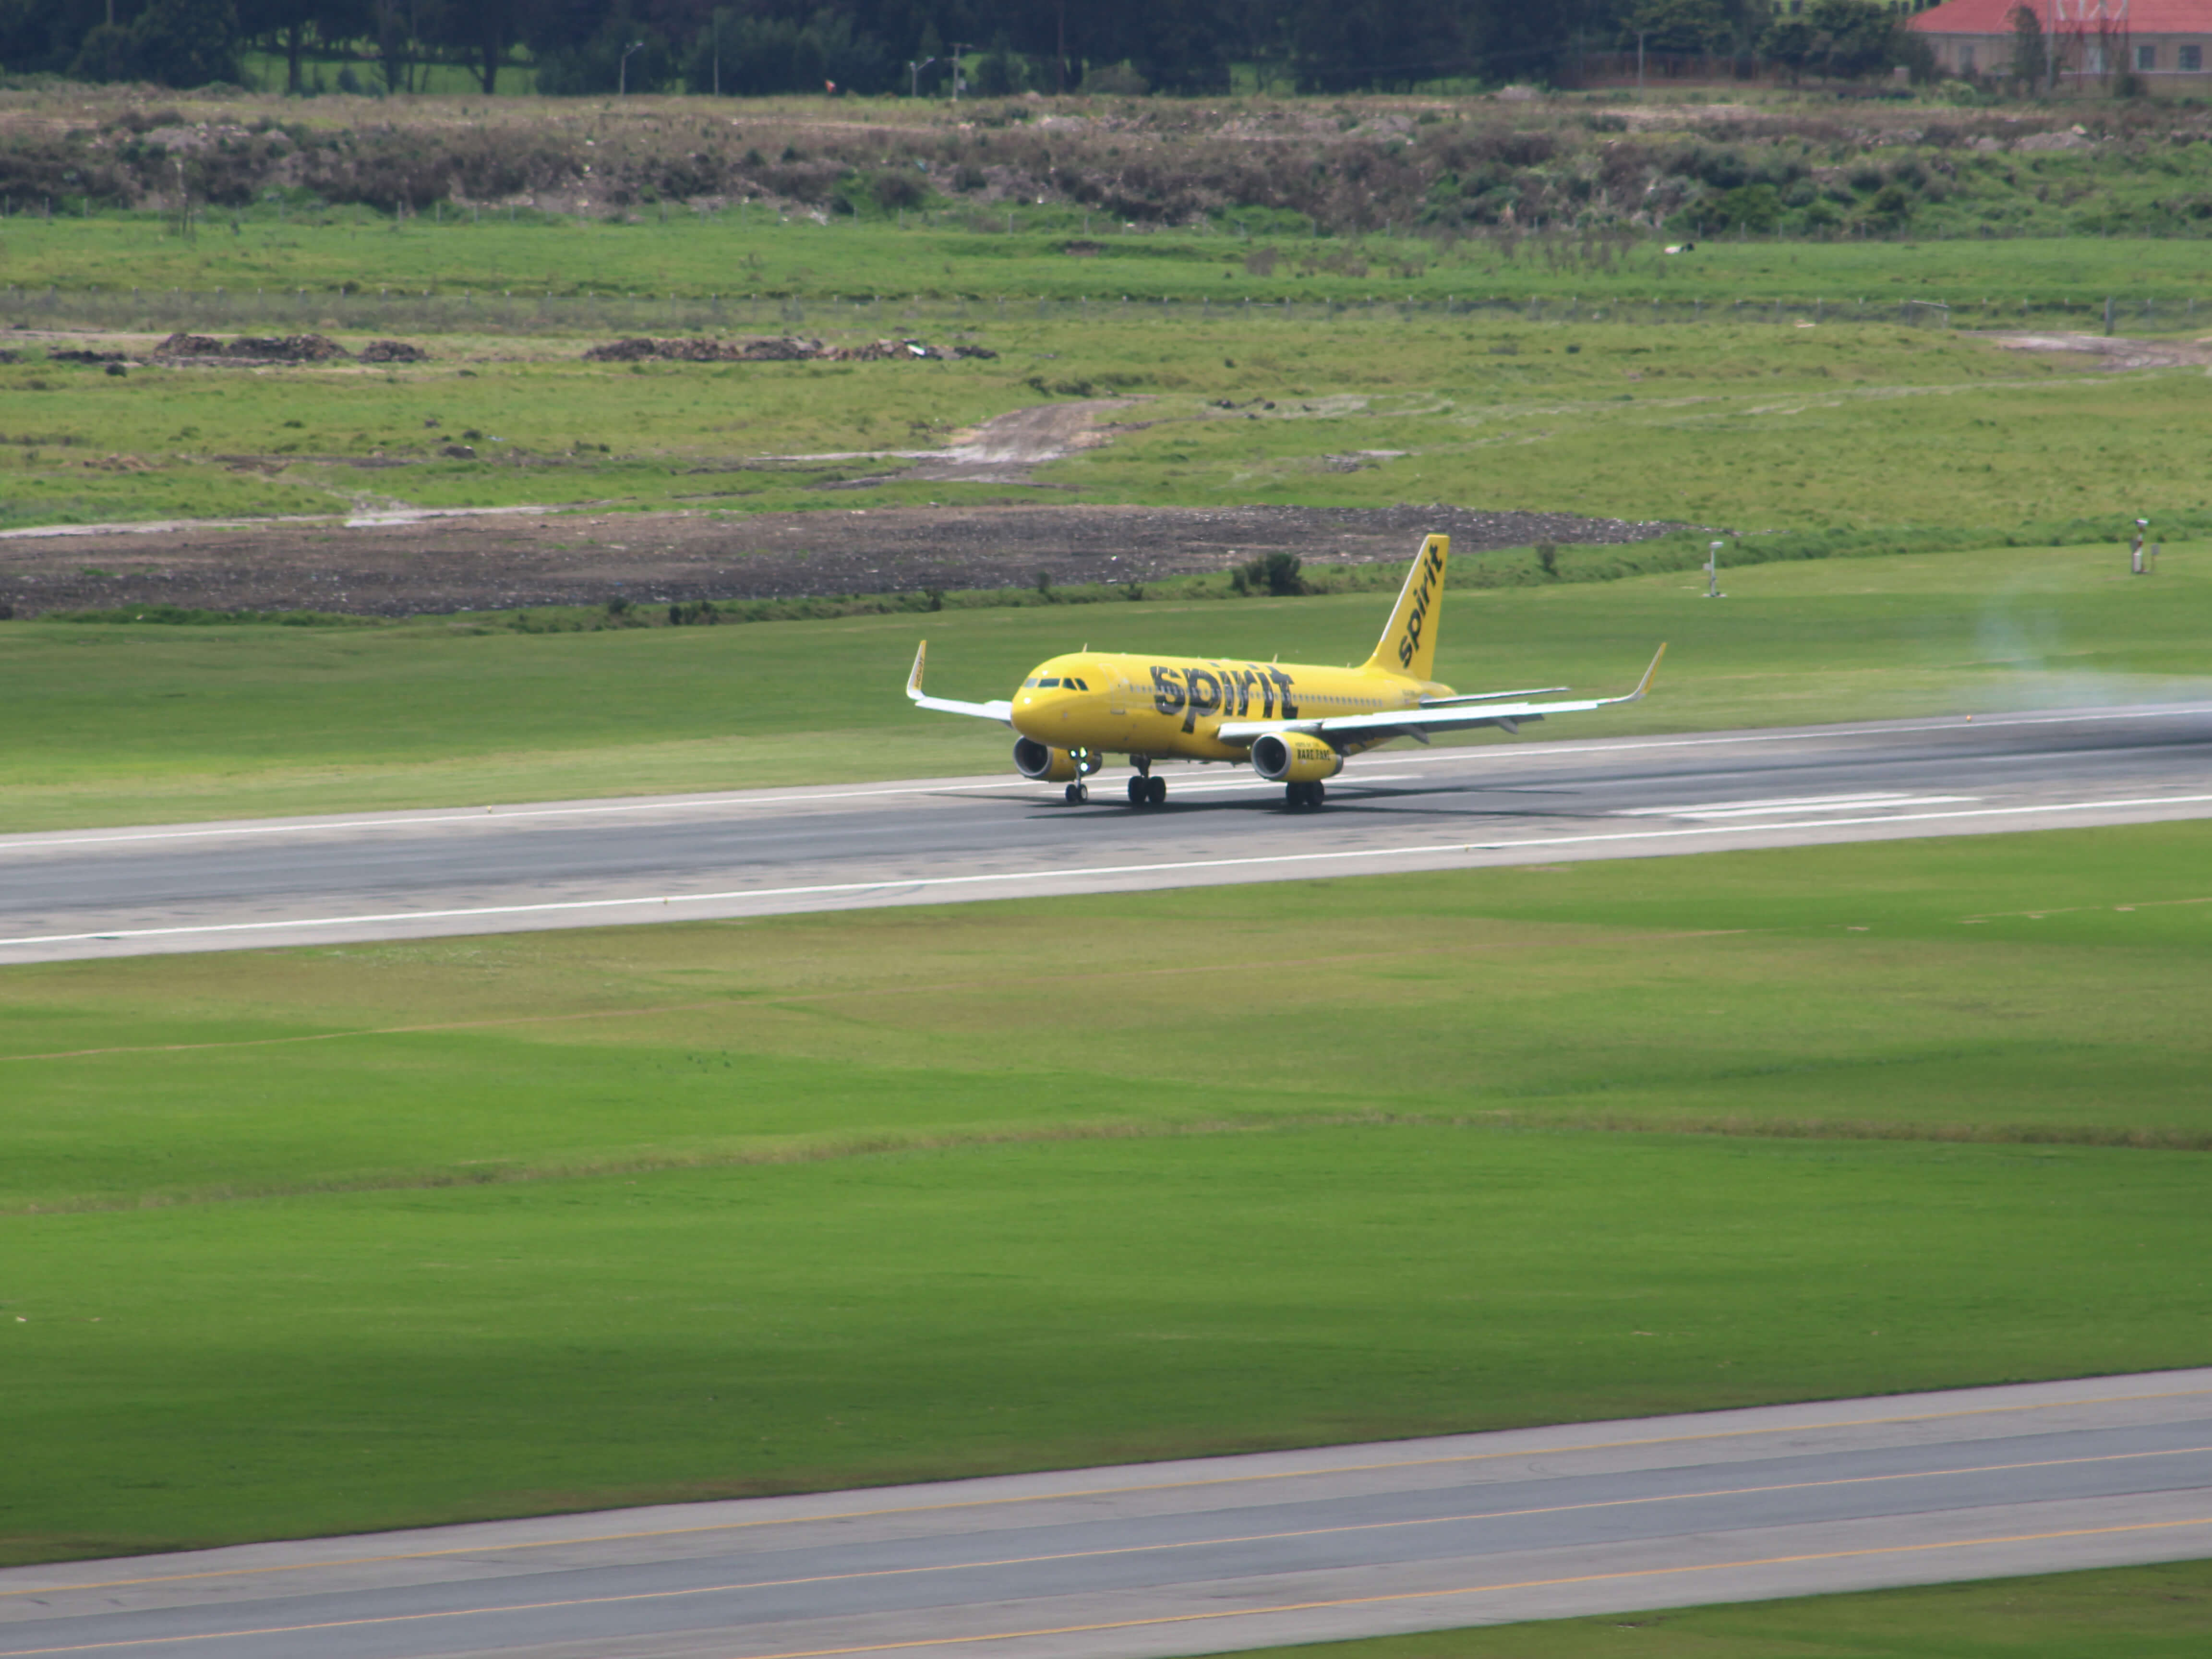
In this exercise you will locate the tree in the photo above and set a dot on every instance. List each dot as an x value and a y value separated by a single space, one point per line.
1691 27
482 30
285 23
2031 58
1844 38
1340 44
186 43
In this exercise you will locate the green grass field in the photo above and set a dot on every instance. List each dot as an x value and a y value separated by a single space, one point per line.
1748 426
2123 1613
964 250
120 724
335 1238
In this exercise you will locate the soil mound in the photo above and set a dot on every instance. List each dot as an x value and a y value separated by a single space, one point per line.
254 348
393 351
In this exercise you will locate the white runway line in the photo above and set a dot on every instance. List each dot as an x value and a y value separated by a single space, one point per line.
1001 878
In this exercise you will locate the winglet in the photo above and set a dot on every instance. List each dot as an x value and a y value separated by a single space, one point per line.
914 680
1642 685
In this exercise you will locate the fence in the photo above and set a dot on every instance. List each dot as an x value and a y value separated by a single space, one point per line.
396 312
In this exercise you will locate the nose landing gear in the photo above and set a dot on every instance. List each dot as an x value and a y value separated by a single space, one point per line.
1078 792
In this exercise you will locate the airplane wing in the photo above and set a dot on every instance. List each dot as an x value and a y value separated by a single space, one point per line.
1446 714
1002 711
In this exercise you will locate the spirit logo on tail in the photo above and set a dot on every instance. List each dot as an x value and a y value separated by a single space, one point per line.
1293 723
1432 566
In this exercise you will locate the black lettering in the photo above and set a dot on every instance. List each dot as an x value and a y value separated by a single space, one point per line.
1265 687
1283 684
1167 692
1204 701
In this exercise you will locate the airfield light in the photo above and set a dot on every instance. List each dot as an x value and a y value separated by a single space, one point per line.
1713 572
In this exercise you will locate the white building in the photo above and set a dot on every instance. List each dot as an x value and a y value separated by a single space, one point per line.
2168 42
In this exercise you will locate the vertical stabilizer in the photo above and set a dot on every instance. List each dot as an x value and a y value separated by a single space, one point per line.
1409 643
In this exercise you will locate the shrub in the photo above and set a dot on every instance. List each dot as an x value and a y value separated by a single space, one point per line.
1271 573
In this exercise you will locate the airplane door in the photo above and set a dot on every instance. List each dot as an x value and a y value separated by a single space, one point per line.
1117 696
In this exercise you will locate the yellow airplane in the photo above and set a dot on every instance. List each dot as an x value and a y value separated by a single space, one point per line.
1294 722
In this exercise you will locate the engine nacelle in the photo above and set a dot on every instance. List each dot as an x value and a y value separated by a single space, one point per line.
1034 760
1294 758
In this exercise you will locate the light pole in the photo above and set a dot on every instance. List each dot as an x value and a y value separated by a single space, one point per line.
714 24
1640 33
958 48
621 82
1713 572
914 76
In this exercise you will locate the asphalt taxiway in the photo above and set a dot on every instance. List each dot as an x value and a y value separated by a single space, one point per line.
398 875
1208 1556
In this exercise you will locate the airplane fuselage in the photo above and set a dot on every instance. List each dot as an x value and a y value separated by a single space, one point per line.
1170 708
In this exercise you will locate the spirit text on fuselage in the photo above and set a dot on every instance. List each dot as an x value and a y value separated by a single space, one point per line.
1194 692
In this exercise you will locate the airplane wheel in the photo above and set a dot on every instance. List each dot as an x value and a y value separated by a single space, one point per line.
1294 795
1316 792
1138 795
1078 793
1156 792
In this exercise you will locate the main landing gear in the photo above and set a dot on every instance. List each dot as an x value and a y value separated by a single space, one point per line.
1144 789
1295 795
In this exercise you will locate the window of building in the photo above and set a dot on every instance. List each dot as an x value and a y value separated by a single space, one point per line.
2192 57
1966 60
2146 58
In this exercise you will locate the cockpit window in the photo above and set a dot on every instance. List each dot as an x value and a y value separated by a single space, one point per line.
1048 682
1076 685
1031 682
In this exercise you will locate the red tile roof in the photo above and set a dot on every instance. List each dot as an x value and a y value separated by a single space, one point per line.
1995 16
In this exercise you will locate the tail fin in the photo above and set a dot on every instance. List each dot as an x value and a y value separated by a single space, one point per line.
1409 645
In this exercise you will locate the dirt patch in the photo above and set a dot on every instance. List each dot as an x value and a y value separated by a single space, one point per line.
1000 450
770 349
2114 351
498 561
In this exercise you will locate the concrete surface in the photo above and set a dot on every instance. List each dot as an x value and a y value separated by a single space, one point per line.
1213 1555
404 875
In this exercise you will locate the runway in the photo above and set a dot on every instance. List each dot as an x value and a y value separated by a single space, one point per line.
464 870
1202 1557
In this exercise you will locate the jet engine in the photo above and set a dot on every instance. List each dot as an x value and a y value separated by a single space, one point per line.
1034 760
1294 758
